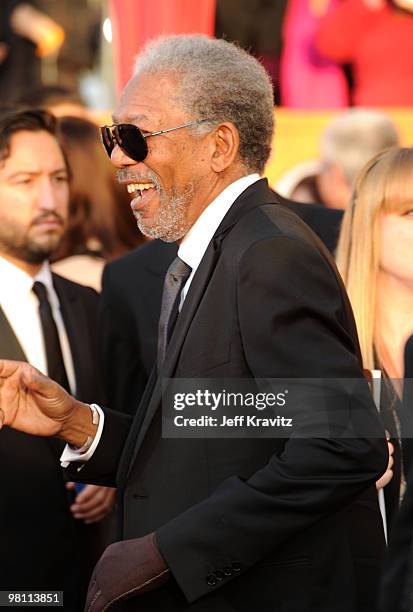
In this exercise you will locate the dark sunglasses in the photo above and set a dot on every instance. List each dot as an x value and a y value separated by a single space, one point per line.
131 139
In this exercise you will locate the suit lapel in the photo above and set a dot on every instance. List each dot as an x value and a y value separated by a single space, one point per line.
74 319
195 293
75 325
189 308
10 347
255 195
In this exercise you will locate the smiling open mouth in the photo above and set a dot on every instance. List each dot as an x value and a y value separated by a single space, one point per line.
138 188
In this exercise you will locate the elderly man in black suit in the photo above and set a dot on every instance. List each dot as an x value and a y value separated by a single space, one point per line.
130 306
50 322
267 523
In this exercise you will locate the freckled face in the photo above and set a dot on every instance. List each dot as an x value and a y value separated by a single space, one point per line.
396 246
169 187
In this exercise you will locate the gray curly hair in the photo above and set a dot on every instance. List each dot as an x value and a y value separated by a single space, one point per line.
218 82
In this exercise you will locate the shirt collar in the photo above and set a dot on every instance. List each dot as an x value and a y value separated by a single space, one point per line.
195 243
45 276
16 281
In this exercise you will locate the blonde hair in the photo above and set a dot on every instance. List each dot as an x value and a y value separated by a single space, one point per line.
384 185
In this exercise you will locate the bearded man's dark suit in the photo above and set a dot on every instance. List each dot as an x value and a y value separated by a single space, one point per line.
38 532
254 524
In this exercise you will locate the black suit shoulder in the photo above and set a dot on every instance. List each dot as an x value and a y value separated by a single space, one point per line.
79 306
70 292
271 256
284 220
325 222
271 221
69 287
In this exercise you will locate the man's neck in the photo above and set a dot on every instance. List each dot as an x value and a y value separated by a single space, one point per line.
213 190
30 268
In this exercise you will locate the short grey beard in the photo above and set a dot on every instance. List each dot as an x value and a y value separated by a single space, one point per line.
171 223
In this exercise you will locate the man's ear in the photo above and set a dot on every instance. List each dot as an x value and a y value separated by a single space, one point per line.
226 146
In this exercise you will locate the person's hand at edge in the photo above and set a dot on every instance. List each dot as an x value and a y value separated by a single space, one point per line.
32 403
93 502
388 474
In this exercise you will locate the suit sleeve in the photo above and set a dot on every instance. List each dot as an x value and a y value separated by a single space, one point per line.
289 289
102 467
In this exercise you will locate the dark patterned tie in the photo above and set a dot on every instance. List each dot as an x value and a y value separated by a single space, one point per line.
175 279
54 357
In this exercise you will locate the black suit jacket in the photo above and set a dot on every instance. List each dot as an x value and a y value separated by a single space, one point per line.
255 524
131 303
38 535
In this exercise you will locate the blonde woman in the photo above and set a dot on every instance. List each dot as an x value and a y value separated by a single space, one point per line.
375 258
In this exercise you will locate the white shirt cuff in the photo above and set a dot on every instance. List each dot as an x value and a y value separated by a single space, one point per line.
71 455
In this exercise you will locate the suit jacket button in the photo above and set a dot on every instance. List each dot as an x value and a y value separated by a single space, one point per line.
211 580
220 575
227 571
236 567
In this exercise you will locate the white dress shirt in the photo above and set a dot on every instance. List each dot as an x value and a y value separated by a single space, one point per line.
195 243
21 308
191 251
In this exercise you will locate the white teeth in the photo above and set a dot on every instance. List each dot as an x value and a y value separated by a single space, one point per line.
132 187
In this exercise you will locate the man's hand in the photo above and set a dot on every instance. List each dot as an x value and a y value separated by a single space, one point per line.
126 569
34 404
93 503
31 402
